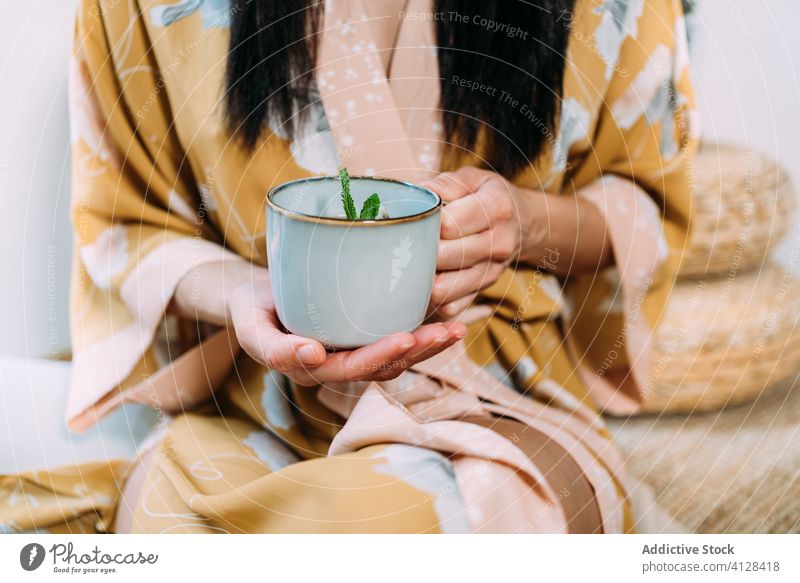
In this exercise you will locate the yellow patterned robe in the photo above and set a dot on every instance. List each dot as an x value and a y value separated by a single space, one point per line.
159 187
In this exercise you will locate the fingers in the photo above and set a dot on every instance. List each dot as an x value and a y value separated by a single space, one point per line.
476 213
462 253
277 350
494 245
450 286
358 364
431 340
454 185
259 334
453 309
385 359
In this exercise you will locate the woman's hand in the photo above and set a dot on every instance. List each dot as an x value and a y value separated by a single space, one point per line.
244 300
489 224
481 234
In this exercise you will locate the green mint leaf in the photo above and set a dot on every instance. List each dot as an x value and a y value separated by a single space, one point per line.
371 207
347 200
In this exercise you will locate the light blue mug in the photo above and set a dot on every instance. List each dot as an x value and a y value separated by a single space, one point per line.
349 283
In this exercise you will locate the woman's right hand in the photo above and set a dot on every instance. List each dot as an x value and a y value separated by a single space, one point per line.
245 302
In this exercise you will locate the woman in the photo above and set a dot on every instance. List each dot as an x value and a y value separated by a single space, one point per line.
559 134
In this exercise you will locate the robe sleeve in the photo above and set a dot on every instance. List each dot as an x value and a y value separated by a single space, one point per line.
139 226
639 177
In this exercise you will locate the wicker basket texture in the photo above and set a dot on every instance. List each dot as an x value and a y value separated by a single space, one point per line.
742 206
722 341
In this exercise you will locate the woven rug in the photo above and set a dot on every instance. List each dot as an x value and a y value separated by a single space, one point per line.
734 471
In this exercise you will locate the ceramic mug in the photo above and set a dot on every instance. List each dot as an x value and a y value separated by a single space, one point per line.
349 283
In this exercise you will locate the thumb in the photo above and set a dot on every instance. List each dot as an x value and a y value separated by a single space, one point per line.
454 185
258 332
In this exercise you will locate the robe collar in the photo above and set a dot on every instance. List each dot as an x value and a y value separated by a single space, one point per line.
381 126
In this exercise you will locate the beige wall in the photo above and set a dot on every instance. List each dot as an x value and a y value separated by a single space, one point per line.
35 37
747 62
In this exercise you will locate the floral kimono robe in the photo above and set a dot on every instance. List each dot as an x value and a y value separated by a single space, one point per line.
160 187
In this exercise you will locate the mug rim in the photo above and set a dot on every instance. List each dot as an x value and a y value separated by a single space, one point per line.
343 220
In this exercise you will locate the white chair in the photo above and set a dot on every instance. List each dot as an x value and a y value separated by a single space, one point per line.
33 432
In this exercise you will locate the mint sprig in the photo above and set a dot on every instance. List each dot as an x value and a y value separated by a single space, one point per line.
370 208
347 199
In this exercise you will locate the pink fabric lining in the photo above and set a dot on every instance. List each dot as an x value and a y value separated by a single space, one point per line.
639 247
422 408
147 291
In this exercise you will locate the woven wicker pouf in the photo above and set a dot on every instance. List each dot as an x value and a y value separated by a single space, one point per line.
742 206
723 341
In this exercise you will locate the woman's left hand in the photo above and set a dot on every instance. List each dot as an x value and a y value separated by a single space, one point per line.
481 234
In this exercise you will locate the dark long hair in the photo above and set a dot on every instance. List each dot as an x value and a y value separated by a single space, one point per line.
515 48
